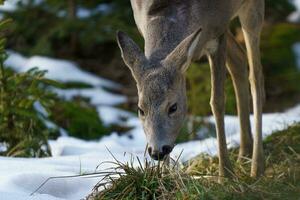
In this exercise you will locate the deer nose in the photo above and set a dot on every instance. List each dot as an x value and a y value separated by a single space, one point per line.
160 155
167 149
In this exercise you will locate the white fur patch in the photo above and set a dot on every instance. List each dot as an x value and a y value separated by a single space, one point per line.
212 46
193 46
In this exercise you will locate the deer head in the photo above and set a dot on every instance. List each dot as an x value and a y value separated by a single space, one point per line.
161 91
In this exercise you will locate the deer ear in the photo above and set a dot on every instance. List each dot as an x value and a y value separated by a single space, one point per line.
183 54
132 55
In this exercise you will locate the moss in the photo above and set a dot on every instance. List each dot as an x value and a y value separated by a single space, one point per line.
199 86
279 62
77 85
282 176
280 70
79 119
276 46
283 143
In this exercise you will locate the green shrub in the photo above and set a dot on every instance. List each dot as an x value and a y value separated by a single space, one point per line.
22 129
56 30
198 84
86 40
279 63
79 118
278 10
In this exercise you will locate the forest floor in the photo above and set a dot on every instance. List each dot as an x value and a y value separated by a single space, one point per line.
19 177
198 179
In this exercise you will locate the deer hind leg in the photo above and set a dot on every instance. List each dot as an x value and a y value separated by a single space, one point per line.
237 66
251 17
218 75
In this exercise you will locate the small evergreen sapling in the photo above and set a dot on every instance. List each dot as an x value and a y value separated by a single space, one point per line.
22 130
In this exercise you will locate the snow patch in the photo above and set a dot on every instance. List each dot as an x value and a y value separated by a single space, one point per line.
71 156
24 196
97 96
12 5
110 115
9 6
60 70
295 16
103 8
271 122
296 49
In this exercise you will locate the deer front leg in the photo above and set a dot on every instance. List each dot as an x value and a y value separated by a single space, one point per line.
237 66
252 17
218 75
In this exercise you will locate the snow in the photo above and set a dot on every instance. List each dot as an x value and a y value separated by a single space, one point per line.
84 13
297 4
296 49
60 70
102 8
111 115
271 123
20 196
97 96
66 71
12 5
30 173
19 177
295 16
71 156
9 6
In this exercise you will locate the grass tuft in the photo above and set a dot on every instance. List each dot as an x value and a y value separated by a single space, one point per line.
198 179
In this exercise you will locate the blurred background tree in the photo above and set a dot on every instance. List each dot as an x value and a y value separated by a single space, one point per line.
278 10
83 31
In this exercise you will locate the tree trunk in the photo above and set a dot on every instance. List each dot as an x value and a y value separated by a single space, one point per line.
72 11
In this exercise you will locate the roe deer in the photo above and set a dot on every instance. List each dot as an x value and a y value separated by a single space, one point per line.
177 32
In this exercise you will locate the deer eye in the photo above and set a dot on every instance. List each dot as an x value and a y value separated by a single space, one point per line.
141 112
172 109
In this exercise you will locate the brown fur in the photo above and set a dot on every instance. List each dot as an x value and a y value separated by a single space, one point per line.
179 32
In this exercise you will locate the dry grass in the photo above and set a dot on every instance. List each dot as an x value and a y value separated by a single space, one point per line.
197 180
